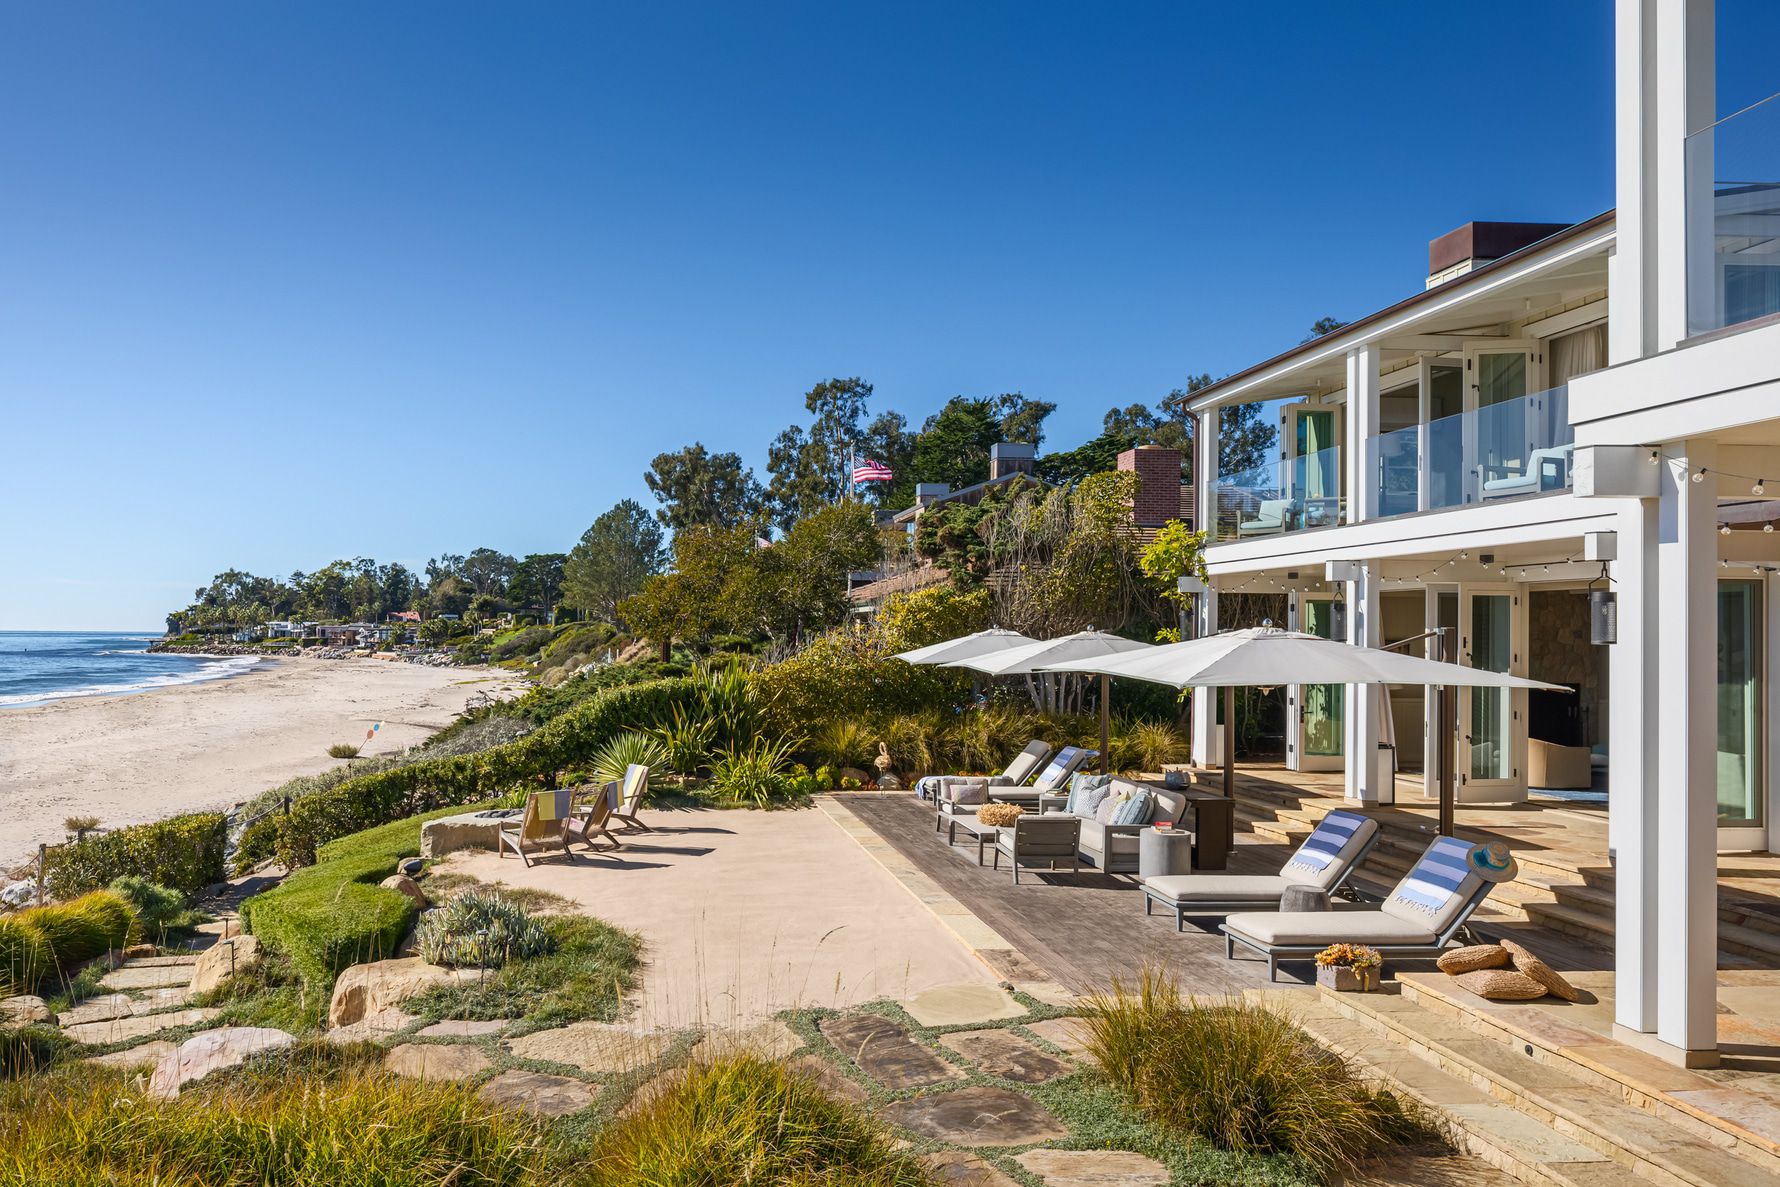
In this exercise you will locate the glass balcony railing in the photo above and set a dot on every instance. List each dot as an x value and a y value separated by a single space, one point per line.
1511 448
1280 496
1733 219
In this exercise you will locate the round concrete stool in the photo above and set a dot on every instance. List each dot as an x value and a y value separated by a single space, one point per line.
1304 898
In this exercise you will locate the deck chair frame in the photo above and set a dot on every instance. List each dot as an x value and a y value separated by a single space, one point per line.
1274 953
1151 899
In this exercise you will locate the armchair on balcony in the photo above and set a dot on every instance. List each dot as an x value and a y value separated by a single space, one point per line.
1546 469
1272 517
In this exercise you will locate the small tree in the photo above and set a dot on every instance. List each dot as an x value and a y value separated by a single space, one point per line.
1176 552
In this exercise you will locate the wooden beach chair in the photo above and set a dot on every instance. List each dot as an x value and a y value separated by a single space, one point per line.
544 825
636 786
595 819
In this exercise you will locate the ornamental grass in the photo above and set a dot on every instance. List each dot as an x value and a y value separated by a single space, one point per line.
1239 1077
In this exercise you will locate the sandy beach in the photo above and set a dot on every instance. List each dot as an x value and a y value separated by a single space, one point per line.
128 759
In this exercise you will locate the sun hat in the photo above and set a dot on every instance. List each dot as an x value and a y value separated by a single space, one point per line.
1492 862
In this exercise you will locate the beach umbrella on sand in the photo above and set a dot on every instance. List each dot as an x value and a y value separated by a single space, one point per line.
1089 646
965 646
1267 657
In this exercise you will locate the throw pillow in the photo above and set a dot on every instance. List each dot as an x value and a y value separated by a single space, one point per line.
1541 972
1502 985
1082 798
1468 960
1132 807
969 791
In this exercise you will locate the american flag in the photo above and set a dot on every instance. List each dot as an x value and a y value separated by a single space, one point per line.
870 471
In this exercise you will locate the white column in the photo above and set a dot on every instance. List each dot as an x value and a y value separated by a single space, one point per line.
1205 470
1362 429
1365 627
1632 827
1686 769
1207 737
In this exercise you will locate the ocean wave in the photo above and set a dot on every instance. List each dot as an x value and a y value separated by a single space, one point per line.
215 668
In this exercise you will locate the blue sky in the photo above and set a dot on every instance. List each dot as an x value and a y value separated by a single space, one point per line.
282 283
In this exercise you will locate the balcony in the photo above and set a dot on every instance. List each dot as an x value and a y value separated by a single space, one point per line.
1733 219
1503 451
1279 497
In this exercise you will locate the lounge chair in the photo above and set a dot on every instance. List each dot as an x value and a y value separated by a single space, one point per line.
1040 840
1271 518
1324 861
1053 780
636 786
1545 469
595 819
544 825
1017 772
1419 917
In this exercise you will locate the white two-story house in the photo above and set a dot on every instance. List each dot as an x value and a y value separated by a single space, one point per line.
1568 423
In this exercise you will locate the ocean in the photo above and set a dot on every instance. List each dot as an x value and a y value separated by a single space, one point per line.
39 666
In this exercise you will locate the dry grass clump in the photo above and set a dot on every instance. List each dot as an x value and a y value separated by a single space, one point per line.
298 1131
743 1119
1238 1076
40 940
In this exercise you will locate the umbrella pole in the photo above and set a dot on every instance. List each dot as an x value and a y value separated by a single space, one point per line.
1105 724
1230 744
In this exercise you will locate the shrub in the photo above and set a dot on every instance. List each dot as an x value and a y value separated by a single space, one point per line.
632 746
743 1119
158 908
74 825
343 750
687 741
525 642
1153 744
60 936
755 774
476 930
566 741
845 743
296 1130
184 852
24 955
1238 1076
849 674
586 976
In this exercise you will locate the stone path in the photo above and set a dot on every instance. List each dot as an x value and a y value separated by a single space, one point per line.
885 1052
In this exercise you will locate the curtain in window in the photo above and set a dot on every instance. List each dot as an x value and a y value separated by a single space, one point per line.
1577 354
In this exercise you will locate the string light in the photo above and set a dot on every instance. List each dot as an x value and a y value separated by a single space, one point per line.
1724 529
1768 527
1760 487
1699 475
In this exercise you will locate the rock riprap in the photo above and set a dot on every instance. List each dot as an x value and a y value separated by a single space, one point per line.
978 1116
1005 1054
380 984
885 1052
198 1056
535 1092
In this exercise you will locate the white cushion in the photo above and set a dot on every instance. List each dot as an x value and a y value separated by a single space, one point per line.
1218 888
1304 929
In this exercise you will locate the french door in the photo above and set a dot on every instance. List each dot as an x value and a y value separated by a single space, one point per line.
1492 721
1501 427
1315 713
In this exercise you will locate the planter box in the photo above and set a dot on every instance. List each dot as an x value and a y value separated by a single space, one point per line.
1343 979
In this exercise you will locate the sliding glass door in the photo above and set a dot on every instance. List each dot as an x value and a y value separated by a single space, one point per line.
1740 757
1491 731
1316 713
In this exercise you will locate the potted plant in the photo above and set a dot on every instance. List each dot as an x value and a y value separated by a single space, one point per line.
1348 968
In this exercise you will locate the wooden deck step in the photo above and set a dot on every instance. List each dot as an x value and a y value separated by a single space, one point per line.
1535 1118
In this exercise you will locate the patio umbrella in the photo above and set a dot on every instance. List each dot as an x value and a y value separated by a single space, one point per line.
1267 657
1089 646
964 647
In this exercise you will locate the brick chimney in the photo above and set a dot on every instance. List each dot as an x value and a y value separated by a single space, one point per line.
1477 243
1011 457
1158 484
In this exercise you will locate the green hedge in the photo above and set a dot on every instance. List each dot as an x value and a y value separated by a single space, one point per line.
566 741
333 914
184 852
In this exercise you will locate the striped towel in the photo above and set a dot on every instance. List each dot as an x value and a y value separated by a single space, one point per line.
554 805
1436 877
927 786
1325 843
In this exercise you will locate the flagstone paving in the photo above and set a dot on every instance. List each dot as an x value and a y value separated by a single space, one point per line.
453 1028
535 1092
960 1005
139 975
885 1052
1005 1054
1094 1168
436 1061
836 1084
956 1168
978 1116
372 1026
121 1005
140 1056
771 1039
596 1047
136 1026
1066 1034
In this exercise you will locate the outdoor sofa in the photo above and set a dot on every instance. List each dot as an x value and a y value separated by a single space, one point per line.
1325 860
1419 917
1112 848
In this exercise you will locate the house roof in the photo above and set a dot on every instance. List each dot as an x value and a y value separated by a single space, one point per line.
975 489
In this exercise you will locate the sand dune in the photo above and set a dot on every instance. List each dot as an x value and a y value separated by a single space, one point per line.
210 745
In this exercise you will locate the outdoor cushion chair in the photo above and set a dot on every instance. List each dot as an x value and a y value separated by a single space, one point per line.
1040 840
1546 469
1270 519
1053 779
595 819
543 825
636 786
1419 917
1017 772
1331 853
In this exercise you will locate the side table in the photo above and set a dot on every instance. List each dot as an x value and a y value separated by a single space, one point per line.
1161 852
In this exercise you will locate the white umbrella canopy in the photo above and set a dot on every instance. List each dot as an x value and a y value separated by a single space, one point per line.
1267 657
965 646
1083 646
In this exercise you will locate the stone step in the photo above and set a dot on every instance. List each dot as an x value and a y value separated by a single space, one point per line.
1658 1144
1490 1130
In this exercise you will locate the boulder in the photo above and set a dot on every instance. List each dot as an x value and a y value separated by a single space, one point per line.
380 984
407 886
209 1052
139 951
24 1010
224 959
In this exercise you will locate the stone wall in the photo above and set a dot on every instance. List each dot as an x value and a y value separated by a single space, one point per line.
1558 650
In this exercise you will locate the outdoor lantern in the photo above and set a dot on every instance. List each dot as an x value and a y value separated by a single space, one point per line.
1603 616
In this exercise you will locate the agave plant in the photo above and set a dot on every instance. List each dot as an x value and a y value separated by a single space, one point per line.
612 760
756 774
477 930
687 741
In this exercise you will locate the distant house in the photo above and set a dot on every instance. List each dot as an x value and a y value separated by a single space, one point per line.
403 616
290 630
